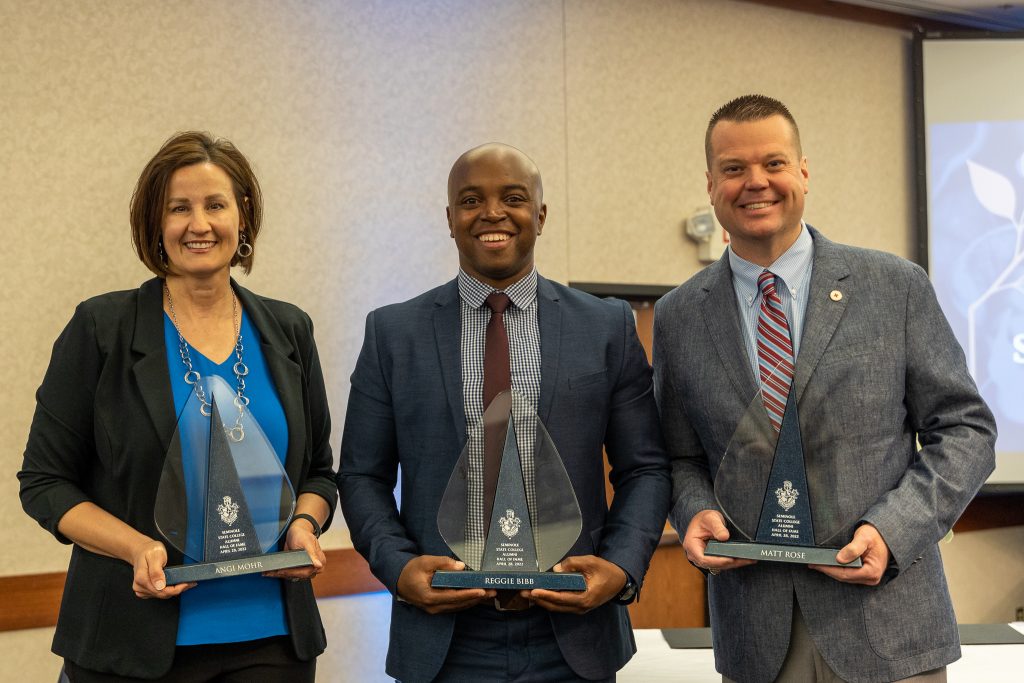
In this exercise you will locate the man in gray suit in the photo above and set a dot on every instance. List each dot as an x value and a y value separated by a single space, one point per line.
875 371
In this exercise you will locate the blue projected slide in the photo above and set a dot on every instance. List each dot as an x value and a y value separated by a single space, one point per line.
976 255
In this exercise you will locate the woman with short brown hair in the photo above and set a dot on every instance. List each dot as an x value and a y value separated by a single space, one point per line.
122 375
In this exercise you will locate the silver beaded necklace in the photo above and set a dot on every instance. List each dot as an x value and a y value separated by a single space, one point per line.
192 376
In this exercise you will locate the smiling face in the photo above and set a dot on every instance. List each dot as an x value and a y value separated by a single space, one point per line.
757 179
201 221
495 213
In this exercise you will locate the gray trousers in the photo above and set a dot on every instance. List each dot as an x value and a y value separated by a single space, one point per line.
804 663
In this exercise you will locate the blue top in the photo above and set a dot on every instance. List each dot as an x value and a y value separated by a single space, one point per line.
246 607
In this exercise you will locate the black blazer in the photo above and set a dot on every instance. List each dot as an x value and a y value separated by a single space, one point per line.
103 421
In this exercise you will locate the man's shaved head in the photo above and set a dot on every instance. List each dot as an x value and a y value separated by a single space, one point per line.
505 154
495 212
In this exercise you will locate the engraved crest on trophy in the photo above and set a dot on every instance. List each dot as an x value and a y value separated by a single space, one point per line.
528 530
786 495
763 487
224 499
228 511
510 524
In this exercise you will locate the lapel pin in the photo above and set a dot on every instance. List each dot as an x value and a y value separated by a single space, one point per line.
836 295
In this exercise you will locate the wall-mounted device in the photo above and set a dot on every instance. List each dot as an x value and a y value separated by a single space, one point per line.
703 228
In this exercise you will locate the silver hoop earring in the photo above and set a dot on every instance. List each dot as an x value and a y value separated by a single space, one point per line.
244 249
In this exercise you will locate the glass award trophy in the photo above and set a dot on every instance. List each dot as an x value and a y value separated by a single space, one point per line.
224 499
530 527
764 488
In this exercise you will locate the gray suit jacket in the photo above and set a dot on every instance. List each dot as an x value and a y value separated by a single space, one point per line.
877 370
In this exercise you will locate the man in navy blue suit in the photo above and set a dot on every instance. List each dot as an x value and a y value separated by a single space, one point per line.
418 387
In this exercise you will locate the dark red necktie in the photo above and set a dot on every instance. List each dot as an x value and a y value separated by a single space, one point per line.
497 372
497 378
774 351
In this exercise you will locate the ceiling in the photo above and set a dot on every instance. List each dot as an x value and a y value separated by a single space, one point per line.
973 14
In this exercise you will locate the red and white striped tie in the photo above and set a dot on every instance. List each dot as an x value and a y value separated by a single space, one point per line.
774 350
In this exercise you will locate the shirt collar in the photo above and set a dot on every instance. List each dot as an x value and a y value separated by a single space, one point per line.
790 267
522 292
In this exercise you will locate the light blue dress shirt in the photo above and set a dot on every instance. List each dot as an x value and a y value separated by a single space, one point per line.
793 268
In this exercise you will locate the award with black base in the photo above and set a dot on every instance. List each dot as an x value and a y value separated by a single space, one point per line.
764 490
514 548
223 499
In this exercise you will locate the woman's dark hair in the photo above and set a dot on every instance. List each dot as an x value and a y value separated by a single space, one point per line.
150 197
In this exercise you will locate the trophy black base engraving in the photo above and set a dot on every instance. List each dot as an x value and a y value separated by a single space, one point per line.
551 581
224 499
777 553
520 545
784 520
203 571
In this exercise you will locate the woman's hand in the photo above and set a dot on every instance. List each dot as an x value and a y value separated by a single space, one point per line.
100 532
148 561
300 537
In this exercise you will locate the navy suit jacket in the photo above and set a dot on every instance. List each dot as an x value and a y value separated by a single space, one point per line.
406 408
878 371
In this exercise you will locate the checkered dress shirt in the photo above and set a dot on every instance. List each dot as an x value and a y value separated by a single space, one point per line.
523 328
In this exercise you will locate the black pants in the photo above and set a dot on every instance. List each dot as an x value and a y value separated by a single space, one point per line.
268 660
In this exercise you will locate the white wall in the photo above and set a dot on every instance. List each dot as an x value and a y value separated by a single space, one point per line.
352 113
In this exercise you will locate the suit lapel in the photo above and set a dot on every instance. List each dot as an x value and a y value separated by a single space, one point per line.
549 314
150 370
153 379
823 312
721 318
278 353
448 336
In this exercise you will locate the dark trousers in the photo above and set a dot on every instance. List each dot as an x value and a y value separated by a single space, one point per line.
268 660
489 646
